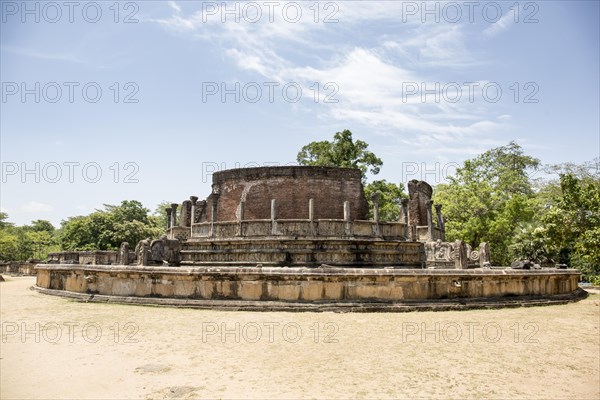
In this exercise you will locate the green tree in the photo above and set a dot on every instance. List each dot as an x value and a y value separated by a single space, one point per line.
41 225
572 222
3 221
489 199
390 200
345 152
342 152
107 229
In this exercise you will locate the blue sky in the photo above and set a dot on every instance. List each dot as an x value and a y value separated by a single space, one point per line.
148 89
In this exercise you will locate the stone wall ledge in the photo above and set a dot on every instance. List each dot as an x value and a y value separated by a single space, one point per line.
305 271
339 306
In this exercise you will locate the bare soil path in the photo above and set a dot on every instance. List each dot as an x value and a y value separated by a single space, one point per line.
53 348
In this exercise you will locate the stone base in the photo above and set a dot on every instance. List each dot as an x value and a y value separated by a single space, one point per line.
302 252
348 306
306 288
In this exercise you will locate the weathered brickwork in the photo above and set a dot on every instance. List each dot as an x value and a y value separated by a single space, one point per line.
292 188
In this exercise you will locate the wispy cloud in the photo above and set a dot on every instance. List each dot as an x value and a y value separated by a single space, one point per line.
499 26
174 6
369 74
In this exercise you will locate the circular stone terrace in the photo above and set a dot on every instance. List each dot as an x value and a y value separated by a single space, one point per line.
300 239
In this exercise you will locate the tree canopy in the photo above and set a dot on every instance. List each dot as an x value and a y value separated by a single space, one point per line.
489 198
343 152
107 229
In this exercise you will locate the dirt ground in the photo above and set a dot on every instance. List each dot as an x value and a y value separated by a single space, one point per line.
53 348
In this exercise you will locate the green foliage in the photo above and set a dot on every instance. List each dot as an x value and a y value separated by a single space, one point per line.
389 202
107 229
489 199
3 222
20 243
159 217
342 152
572 221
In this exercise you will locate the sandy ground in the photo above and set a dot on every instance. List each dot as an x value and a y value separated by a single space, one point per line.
54 348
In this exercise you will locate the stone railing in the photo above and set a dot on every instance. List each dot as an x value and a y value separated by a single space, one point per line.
94 257
456 254
324 228
19 267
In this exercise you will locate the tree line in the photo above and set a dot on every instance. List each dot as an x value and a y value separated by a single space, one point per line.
494 198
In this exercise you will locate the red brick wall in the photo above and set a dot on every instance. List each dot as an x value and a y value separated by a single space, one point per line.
292 187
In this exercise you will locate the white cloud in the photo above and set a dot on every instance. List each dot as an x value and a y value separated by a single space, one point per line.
175 6
369 74
499 26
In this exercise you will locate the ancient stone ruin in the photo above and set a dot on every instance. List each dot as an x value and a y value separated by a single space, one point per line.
297 234
305 216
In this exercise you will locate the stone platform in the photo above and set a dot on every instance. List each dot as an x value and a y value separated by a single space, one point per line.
309 289
302 252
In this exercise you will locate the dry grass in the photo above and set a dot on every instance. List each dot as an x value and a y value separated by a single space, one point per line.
528 353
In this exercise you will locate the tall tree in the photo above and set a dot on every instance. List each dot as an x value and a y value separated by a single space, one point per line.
489 198
342 152
345 152
572 223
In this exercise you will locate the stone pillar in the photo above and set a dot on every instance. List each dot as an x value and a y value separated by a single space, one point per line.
311 216
185 216
169 219
484 254
174 214
460 250
124 254
440 221
200 210
404 216
213 217
375 198
273 217
240 231
429 221
419 192
194 200
347 220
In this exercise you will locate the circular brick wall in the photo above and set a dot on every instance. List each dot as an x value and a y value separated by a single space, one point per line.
291 187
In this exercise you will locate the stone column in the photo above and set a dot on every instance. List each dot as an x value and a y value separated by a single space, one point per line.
375 198
240 231
311 216
194 200
174 214
213 216
429 220
440 221
460 249
347 221
185 214
169 219
484 254
124 253
404 216
273 217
